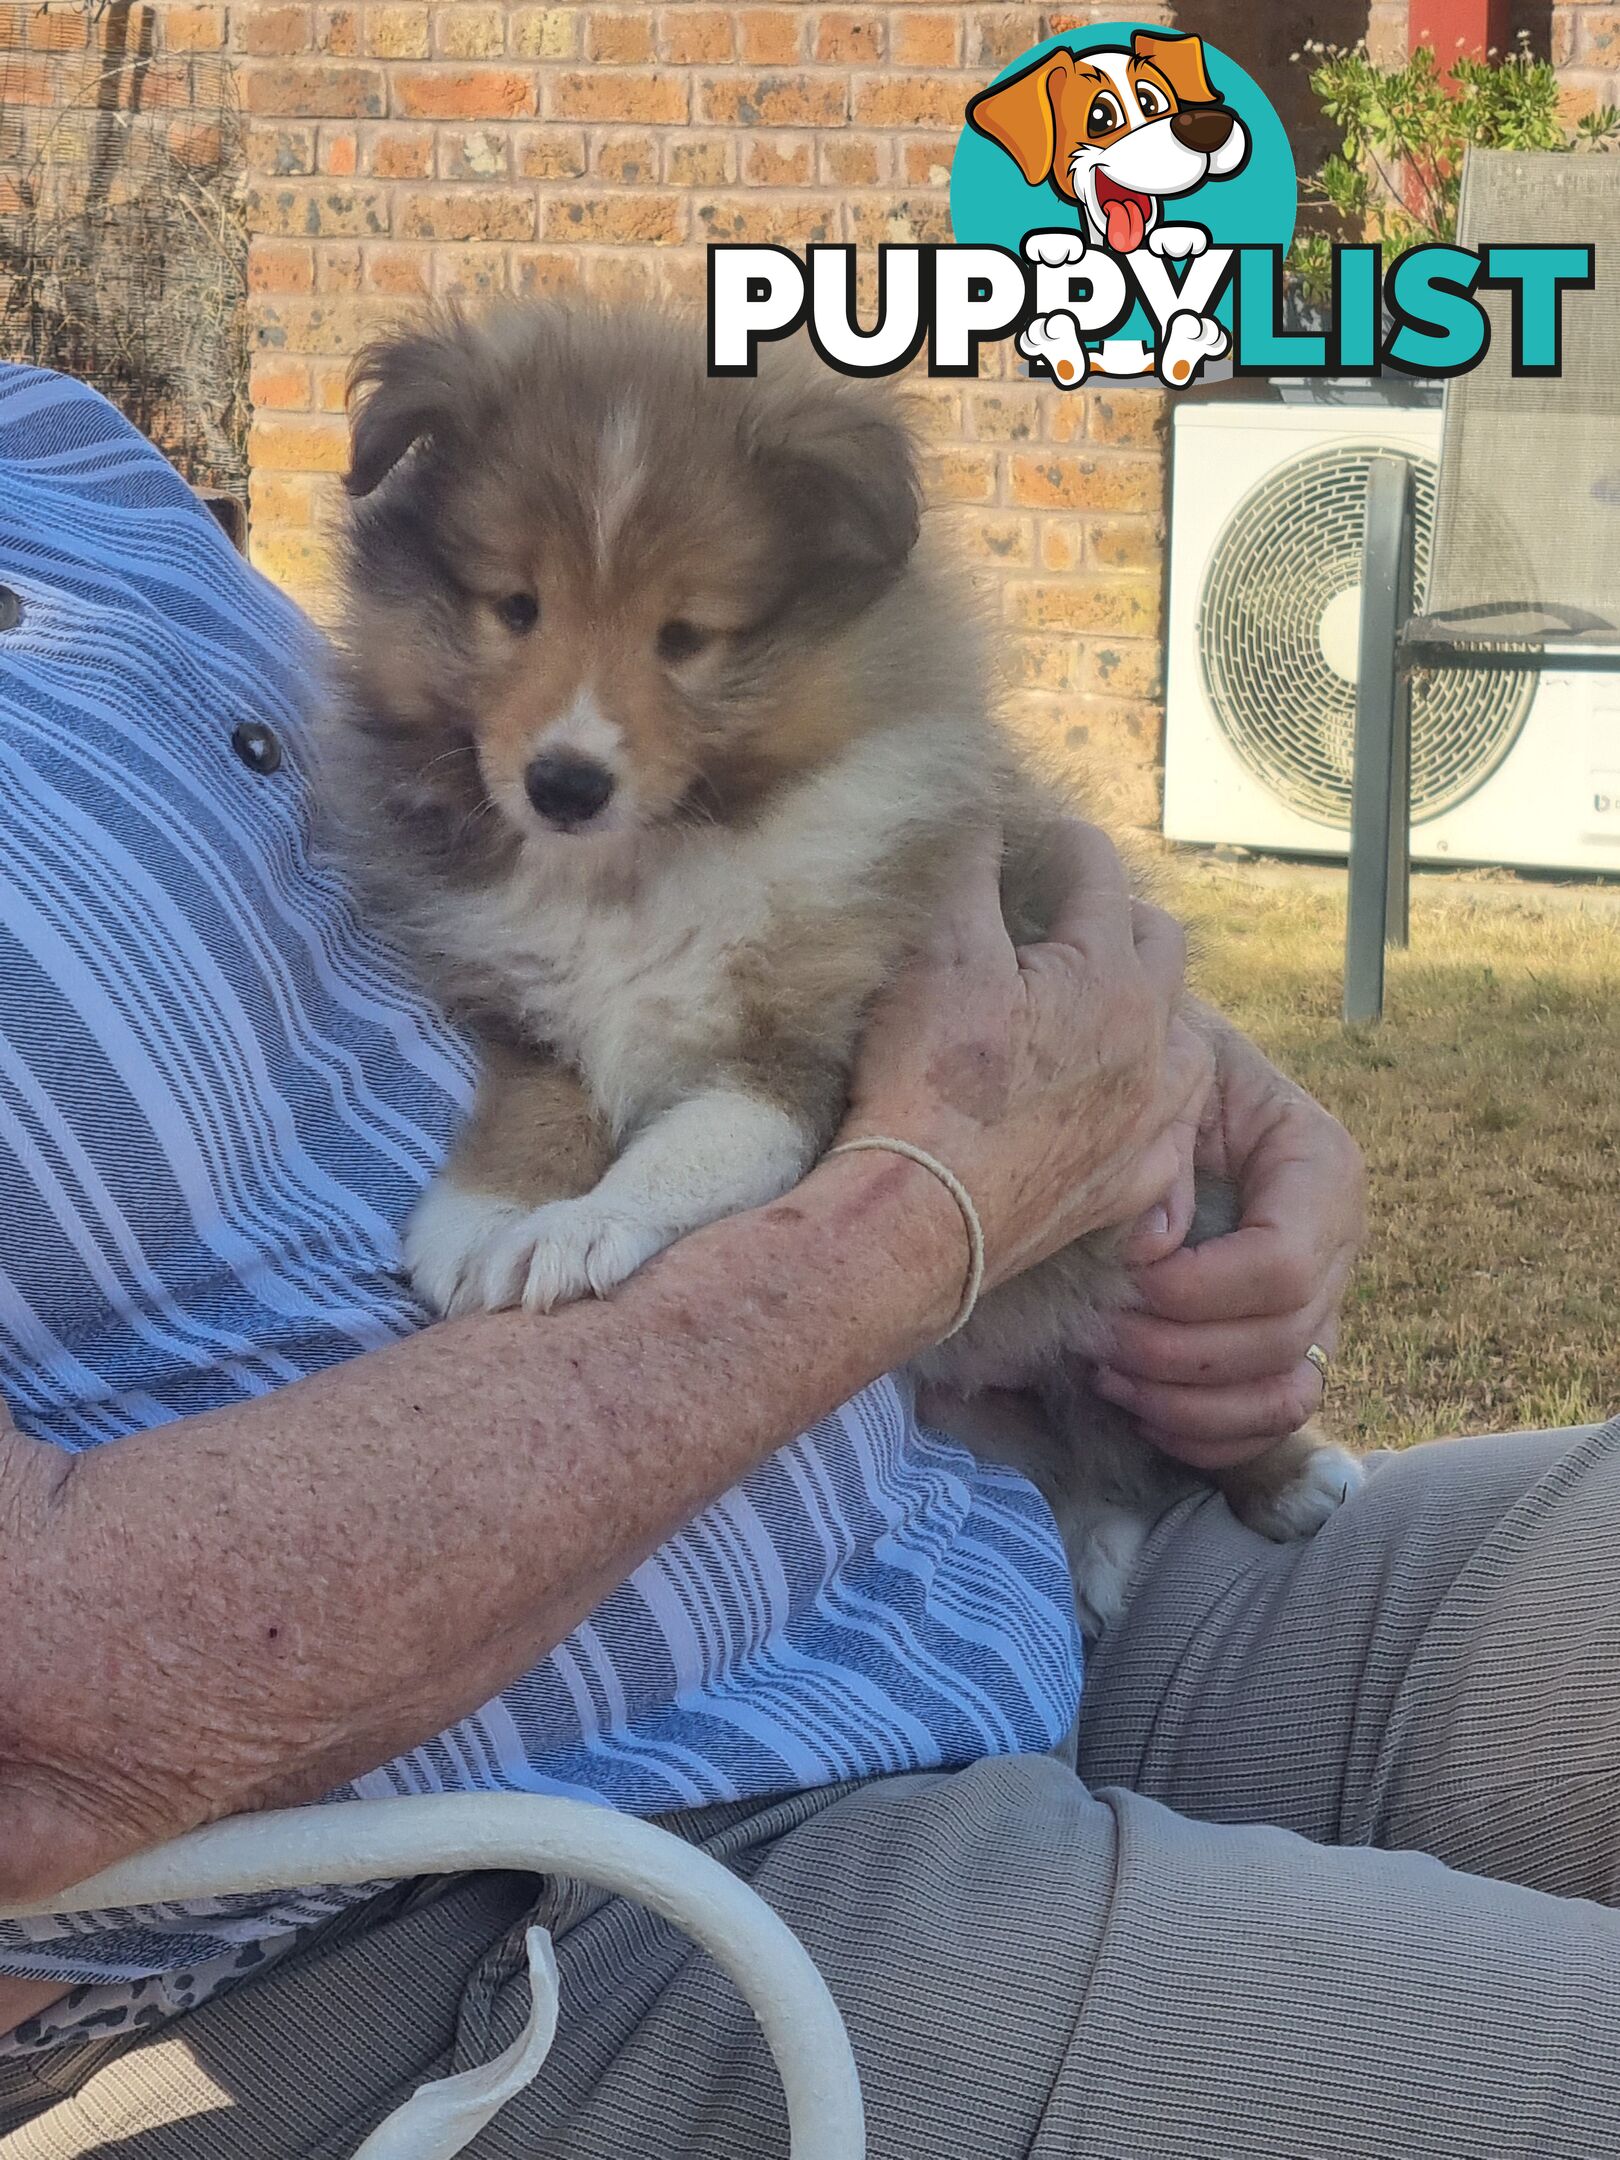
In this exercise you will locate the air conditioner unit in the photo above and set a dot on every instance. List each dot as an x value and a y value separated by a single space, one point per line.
1265 610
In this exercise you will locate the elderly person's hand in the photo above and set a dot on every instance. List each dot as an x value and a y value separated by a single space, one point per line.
1213 1367
1060 1082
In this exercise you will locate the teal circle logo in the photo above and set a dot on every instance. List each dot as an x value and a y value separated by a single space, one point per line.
1125 134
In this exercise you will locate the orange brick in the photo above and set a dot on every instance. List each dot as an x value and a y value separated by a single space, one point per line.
902 101
329 381
1008 414
1117 480
1063 542
300 563
550 153
469 33
998 36
1127 543
626 160
340 152
318 211
280 151
928 39
618 38
779 161
994 538
700 161
1130 667
907 220
1045 663
682 276
192 29
282 498
307 443
771 37
442 93
784 221
1597 36
318 93
319 326
849 40
927 160
797 100
638 220
337 32
402 270
280 267
474 154
465 213
620 279
538 273
271 32
398 153
337 269
695 37
1134 419
617 94
963 476
549 33
1116 603
397 33
59 29
276 384
854 160
471 273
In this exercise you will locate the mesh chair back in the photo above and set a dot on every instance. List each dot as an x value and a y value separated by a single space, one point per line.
1527 517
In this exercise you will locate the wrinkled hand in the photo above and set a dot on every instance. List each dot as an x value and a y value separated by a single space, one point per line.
1059 1082
1213 1367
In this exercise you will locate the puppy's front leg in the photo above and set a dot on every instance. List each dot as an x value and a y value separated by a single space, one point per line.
712 1154
534 1137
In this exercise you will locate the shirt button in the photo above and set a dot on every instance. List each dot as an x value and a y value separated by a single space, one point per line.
10 608
256 746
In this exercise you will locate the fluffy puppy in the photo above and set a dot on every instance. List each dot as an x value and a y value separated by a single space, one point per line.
659 718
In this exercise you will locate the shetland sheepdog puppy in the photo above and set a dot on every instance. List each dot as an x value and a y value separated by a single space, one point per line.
659 720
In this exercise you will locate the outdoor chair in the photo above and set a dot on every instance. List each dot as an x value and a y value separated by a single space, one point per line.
362 1840
1524 562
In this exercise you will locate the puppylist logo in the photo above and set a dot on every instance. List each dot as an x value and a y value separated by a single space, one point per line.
1122 200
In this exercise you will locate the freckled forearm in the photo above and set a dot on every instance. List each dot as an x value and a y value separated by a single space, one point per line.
275 1597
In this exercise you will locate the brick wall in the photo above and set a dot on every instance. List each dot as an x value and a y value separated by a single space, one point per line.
434 147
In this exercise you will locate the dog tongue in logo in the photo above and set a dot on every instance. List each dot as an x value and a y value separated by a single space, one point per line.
1125 213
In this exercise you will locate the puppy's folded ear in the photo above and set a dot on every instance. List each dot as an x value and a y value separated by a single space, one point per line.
844 476
1021 115
404 390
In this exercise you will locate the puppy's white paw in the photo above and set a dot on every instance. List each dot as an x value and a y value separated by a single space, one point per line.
1055 339
1190 341
1180 242
570 1249
1103 1552
1054 249
1298 1509
446 1239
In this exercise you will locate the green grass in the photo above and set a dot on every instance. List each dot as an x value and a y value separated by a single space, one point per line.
1488 1104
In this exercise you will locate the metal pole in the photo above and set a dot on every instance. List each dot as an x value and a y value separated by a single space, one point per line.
1398 910
1389 484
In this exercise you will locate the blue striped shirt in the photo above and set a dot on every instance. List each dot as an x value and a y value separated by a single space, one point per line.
220 1094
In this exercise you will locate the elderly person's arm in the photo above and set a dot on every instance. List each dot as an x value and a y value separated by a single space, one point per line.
252 1605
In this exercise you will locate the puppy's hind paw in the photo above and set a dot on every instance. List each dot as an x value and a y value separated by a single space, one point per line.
1103 1552
447 1242
1053 342
1299 1506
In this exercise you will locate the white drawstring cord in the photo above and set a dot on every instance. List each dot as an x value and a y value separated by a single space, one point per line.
364 1840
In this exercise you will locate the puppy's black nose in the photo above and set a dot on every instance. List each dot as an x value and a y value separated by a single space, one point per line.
566 788
1203 128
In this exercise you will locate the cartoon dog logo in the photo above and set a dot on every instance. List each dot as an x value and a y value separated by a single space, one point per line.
1118 132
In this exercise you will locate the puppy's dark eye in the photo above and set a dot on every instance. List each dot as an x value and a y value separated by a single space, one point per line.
1105 114
1152 100
680 639
519 611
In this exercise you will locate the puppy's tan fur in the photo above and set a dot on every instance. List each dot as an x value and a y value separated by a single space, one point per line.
740 621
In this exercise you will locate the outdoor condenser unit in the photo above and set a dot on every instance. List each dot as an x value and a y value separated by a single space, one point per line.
1265 606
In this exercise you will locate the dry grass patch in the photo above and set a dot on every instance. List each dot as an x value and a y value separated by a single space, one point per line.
1488 1104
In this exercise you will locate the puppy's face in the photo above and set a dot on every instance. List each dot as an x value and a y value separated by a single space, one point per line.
592 592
